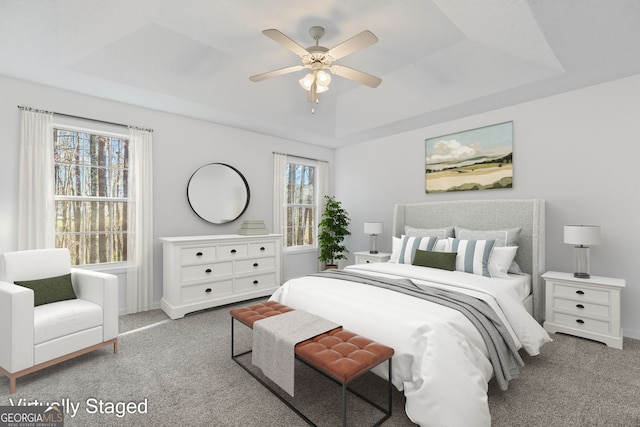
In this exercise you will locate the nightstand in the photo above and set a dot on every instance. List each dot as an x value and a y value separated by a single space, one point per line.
365 257
588 308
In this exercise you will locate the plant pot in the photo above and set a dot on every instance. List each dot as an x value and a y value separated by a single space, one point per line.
330 267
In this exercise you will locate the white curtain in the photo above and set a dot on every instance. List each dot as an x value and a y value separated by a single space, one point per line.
322 176
280 205
140 222
36 218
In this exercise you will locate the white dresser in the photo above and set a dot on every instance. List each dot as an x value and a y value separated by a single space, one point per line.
206 271
588 308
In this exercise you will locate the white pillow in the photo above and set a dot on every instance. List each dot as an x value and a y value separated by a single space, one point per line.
500 260
396 245
473 255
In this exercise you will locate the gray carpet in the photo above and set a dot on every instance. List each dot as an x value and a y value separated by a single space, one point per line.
184 371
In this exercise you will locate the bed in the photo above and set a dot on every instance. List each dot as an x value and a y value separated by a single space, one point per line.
442 361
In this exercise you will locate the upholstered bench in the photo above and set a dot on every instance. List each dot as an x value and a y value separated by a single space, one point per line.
339 354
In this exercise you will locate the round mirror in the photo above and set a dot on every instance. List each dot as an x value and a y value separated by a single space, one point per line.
218 193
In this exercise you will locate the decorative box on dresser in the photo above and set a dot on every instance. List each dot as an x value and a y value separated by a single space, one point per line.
366 257
588 308
200 272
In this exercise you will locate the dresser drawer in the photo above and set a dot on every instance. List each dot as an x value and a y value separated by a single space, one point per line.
577 293
257 265
577 322
206 291
236 250
206 271
582 308
254 282
264 248
203 254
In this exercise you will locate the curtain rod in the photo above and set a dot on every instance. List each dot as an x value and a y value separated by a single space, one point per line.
300 157
22 107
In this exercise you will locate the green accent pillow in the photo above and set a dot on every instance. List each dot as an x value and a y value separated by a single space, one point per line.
51 289
441 260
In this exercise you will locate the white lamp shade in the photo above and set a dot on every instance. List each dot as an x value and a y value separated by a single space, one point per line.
585 235
307 81
373 227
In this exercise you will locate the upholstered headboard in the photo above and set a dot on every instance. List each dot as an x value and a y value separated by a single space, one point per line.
488 215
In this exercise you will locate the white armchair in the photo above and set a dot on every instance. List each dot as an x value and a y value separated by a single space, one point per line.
34 338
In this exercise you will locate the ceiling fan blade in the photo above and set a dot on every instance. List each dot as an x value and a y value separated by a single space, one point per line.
356 76
355 43
276 73
285 41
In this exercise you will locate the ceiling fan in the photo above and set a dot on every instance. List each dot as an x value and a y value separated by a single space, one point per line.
318 59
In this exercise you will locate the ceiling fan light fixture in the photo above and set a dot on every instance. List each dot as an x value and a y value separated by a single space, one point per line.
323 78
307 81
321 89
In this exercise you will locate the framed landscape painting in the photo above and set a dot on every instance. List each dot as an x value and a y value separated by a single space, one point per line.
476 159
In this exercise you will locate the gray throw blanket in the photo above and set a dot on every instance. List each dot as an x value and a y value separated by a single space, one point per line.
274 340
502 350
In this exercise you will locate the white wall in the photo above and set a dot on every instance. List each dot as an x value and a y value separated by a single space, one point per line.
180 146
579 151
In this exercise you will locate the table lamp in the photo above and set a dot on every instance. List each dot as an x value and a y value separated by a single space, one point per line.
373 228
581 236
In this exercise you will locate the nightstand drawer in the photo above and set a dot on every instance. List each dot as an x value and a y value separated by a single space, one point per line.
366 257
362 259
582 308
577 293
586 324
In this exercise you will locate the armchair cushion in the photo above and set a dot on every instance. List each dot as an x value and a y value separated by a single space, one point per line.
52 289
64 318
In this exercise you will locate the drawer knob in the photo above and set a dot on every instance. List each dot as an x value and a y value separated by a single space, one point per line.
255 264
233 251
255 282
207 290
579 306
208 270
262 248
199 254
367 261
580 292
580 321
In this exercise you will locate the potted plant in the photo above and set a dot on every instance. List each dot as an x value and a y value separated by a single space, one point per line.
333 230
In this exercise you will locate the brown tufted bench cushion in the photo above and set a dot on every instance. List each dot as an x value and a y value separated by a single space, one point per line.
339 354
342 355
249 315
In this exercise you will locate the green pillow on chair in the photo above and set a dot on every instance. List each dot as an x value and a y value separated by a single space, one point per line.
441 260
51 289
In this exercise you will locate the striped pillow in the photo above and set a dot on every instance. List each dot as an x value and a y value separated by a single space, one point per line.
473 255
410 244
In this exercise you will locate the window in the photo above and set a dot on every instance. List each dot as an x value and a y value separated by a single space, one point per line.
300 179
91 174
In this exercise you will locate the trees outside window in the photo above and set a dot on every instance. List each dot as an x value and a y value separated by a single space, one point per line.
301 204
91 175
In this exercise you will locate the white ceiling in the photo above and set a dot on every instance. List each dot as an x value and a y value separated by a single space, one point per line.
438 59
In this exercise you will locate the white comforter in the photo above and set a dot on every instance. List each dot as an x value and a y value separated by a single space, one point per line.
440 359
